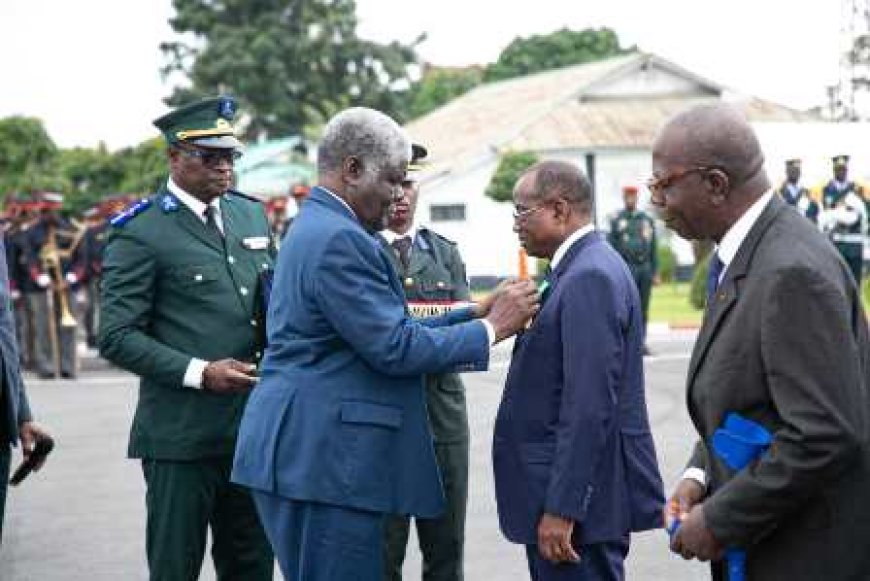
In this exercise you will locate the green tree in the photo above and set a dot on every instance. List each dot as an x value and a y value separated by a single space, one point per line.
145 167
511 166
439 86
91 174
27 156
291 63
558 49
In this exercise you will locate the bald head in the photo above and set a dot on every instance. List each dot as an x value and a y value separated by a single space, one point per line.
714 135
708 170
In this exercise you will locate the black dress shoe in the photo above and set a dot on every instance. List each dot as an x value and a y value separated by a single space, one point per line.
646 351
45 375
67 375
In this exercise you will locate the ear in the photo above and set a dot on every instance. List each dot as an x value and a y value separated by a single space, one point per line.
561 209
718 184
352 169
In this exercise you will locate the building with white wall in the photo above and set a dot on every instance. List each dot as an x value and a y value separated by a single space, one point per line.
607 112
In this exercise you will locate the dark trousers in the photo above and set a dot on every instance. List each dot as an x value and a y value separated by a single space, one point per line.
92 311
322 542
643 278
442 539
853 254
598 562
185 498
45 315
5 458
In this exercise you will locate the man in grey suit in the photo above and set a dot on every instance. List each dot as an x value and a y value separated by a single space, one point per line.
16 421
784 343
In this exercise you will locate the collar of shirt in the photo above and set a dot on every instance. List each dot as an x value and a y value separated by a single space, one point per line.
733 239
343 203
568 243
841 185
391 236
794 189
196 206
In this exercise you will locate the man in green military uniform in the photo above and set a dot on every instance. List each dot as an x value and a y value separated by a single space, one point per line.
633 235
844 216
433 276
179 308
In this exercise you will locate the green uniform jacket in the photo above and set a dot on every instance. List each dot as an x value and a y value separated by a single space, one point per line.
633 235
173 290
436 273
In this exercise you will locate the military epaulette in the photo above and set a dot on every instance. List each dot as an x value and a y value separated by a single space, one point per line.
130 212
246 196
437 235
423 309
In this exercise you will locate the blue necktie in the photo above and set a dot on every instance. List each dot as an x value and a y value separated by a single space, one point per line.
713 274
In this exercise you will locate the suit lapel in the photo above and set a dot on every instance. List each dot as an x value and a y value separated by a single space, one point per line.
727 294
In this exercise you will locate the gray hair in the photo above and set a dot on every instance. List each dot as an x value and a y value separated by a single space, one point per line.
370 136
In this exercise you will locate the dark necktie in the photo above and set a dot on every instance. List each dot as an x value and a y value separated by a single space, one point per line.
402 246
211 221
713 274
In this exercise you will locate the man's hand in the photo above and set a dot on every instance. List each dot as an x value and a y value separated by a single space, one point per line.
28 433
512 309
482 308
229 376
689 492
693 540
554 539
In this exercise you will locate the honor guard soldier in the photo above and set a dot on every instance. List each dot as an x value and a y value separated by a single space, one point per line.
54 268
797 196
633 235
845 216
179 308
23 216
433 276
93 243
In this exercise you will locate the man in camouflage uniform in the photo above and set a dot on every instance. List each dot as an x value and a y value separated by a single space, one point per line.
844 217
433 276
797 196
633 235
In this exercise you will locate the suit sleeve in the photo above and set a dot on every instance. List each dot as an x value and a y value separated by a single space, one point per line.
592 352
127 294
352 287
816 385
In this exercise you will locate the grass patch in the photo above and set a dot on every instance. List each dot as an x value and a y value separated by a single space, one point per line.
670 304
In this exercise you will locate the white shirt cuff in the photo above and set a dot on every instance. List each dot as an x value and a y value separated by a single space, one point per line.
193 375
697 475
490 331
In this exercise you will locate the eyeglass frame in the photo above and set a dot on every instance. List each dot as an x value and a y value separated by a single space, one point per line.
210 158
656 186
523 215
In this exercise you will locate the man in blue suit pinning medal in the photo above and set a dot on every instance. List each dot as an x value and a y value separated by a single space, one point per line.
336 434
574 460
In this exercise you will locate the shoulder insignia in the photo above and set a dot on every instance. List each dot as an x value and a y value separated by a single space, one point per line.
124 216
246 196
169 203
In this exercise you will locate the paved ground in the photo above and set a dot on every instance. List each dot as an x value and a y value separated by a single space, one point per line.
83 516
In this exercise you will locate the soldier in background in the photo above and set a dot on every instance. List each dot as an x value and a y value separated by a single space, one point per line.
54 266
844 217
633 235
25 214
433 276
92 244
795 194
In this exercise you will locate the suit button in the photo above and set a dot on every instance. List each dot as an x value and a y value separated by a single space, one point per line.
409 281
253 322
265 266
198 278
231 259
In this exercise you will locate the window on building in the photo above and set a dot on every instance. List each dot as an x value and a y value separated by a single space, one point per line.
447 213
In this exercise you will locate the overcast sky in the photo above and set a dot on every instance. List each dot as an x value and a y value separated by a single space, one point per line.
90 68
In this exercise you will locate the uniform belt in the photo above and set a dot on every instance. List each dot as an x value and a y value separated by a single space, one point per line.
850 238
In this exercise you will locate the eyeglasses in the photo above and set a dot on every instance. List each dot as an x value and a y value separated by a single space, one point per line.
657 186
212 158
522 214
